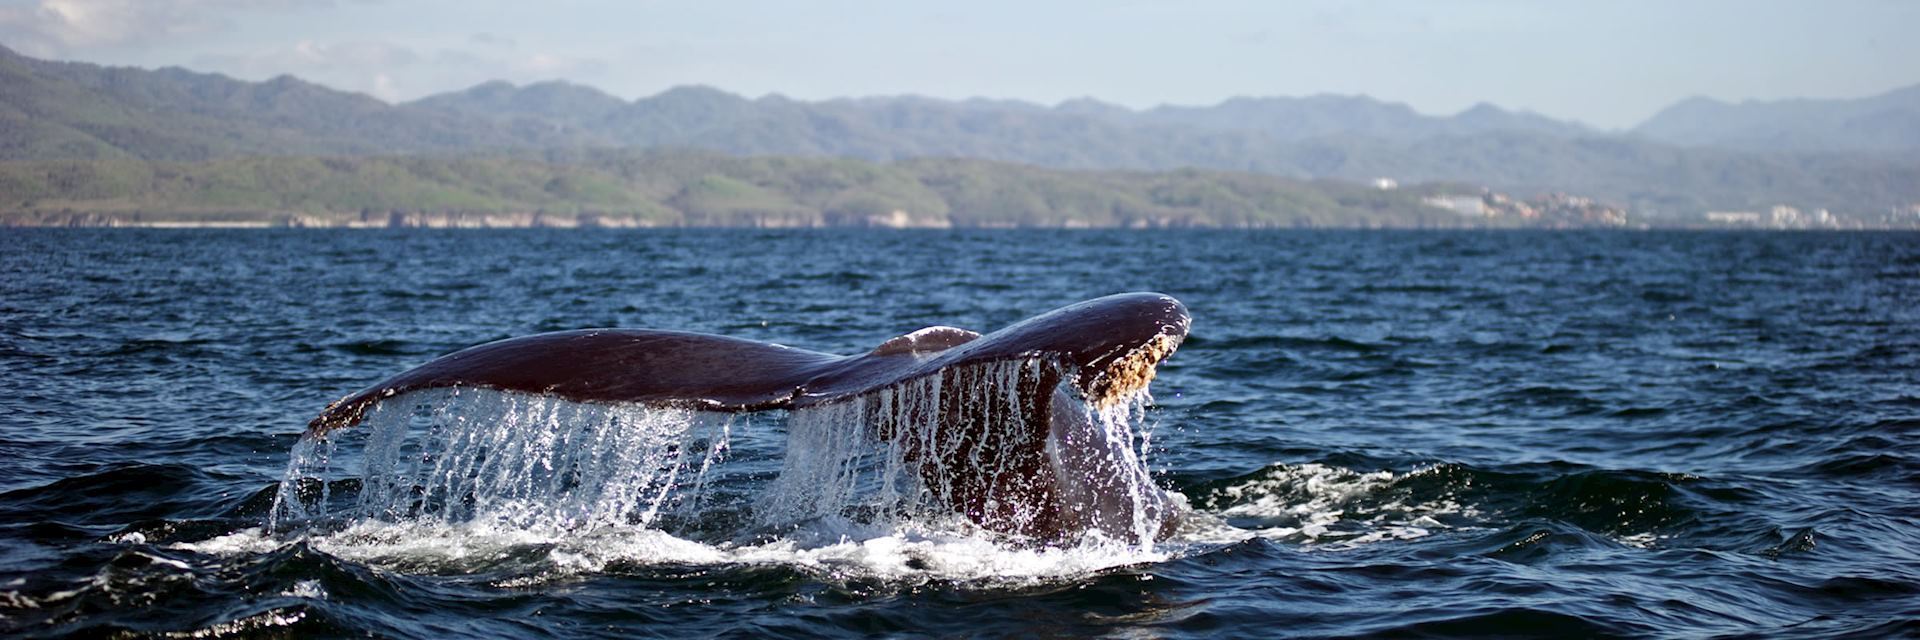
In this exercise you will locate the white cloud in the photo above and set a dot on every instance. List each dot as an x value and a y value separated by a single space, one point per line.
488 39
360 53
369 66
384 88
64 25
543 66
395 72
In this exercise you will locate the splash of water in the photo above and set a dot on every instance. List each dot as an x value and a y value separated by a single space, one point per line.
456 456
1003 442
997 446
1314 503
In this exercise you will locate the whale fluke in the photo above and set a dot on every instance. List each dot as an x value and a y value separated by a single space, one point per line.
1098 352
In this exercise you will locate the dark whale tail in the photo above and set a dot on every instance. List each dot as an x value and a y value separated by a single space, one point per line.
1010 467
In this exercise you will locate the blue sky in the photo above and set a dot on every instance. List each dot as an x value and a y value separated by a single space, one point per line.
1607 63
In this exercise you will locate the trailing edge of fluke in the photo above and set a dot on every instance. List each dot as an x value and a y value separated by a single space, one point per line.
1109 345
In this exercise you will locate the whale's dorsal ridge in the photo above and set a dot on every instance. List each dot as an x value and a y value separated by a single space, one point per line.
928 340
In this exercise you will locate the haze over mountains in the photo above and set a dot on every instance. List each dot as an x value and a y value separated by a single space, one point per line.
1861 154
1889 122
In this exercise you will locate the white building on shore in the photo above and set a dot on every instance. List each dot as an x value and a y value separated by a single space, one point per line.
1734 217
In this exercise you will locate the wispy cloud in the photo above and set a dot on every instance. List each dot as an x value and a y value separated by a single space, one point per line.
392 71
486 39
52 26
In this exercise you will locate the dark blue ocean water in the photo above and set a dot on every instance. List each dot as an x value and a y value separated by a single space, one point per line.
1395 434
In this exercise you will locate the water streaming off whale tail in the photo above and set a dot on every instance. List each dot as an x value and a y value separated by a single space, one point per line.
482 471
456 457
1001 442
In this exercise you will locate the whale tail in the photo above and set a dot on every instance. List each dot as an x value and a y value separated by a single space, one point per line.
1014 429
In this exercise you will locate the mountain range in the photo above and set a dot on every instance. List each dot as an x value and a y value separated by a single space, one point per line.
1699 154
1889 122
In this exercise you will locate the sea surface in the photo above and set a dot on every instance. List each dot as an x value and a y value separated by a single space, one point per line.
1394 434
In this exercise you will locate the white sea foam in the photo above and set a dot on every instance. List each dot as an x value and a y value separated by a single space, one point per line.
1319 504
309 589
1644 540
546 556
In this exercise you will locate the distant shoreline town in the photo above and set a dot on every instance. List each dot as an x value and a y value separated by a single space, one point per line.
709 191
1583 211
1560 212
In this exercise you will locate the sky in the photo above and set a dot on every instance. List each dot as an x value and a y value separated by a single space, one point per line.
1609 63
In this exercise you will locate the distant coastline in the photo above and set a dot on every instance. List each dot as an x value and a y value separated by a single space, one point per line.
669 189
498 225
634 189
